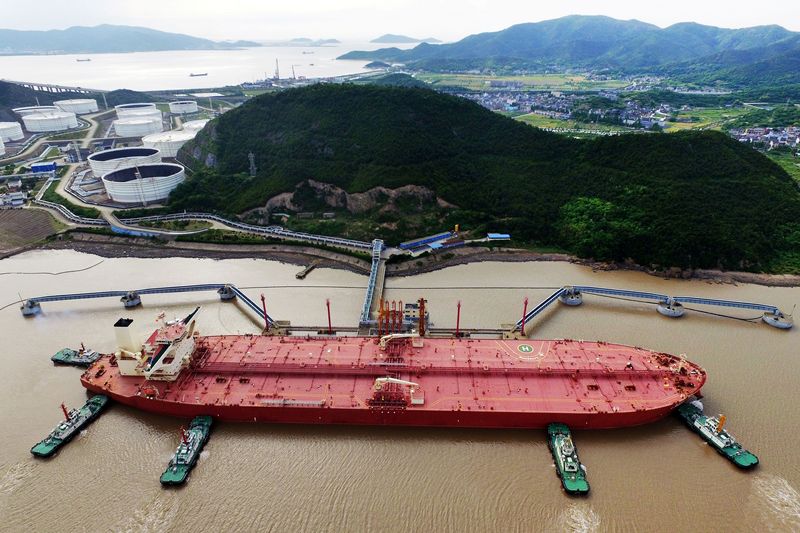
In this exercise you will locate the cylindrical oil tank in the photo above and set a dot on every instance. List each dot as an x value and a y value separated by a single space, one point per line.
2 147
137 127
109 160
79 106
127 109
11 131
168 142
143 183
183 106
22 111
50 121
194 125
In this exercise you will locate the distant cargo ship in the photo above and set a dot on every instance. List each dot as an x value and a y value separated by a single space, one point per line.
83 60
398 379
194 75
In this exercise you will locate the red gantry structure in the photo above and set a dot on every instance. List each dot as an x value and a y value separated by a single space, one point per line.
397 379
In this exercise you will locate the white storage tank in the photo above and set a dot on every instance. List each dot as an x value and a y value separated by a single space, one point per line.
183 106
47 121
137 127
79 106
22 111
127 109
109 160
144 183
168 142
11 131
2 147
195 125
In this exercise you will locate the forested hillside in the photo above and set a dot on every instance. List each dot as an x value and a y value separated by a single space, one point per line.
686 199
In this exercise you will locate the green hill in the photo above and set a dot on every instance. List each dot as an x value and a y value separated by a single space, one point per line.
597 42
105 38
686 199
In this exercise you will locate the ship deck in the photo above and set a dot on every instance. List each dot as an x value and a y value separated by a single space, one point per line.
557 378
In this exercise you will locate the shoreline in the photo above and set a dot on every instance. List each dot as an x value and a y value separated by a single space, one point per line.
118 247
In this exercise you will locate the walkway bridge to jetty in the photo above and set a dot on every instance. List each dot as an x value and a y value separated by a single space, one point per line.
133 298
672 306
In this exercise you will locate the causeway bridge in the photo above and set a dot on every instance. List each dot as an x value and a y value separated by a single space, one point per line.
672 306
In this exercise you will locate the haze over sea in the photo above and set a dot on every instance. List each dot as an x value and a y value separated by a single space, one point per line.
144 71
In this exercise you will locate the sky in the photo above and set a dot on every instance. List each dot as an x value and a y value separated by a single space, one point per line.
354 20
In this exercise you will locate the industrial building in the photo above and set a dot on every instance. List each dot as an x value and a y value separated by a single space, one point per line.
137 126
11 131
126 110
107 161
143 184
49 121
182 107
79 106
168 142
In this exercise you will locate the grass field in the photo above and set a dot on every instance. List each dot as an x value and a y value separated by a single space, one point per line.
50 195
711 118
20 227
787 161
546 82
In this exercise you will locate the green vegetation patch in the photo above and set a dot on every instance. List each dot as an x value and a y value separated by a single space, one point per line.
50 195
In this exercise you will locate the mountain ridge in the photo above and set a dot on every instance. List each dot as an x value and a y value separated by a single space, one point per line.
104 38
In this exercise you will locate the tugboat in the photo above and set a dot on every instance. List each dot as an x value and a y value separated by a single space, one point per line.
568 466
710 428
74 421
83 357
192 442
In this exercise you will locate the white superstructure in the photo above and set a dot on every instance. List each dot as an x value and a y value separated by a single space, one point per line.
137 127
183 106
124 110
11 131
168 142
79 106
107 161
143 184
47 121
195 125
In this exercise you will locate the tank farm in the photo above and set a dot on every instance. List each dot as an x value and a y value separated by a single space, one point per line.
394 369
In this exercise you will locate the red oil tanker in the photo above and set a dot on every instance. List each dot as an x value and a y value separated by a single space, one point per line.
398 379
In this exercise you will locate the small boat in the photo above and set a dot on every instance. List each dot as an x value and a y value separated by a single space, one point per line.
710 428
192 442
568 466
82 357
196 74
74 421
83 60
306 52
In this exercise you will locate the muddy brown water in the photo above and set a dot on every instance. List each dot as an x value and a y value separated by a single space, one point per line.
322 478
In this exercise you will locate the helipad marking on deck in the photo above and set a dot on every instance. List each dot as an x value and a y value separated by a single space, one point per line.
525 348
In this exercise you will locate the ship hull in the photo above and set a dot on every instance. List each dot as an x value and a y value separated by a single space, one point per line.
424 383
394 417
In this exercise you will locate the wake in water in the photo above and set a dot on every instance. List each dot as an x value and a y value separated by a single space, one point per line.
15 476
155 516
578 518
778 503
